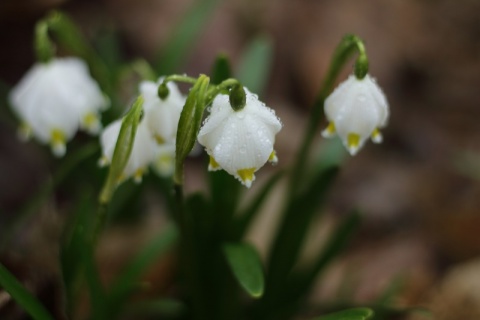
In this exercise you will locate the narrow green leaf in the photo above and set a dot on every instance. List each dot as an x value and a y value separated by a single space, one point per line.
73 242
127 280
157 308
248 214
67 166
351 314
246 266
291 296
123 148
184 36
189 124
254 67
24 298
294 226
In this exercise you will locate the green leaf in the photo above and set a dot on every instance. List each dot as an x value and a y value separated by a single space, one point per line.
254 67
67 166
332 249
163 308
184 36
246 266
189 124
74 239
123 148
351 314
24 298
294 227
248 214
127 280
221 69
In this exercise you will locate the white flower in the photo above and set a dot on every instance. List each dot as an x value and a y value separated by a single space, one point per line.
240 142
162 115
143 150
356 110
164 159
53 99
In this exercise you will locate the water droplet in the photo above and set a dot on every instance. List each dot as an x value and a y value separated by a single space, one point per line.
240 115
243 149
361 97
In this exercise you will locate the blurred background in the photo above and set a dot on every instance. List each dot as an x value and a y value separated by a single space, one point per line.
419 190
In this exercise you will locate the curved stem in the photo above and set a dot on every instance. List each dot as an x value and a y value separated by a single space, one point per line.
347 47
179 78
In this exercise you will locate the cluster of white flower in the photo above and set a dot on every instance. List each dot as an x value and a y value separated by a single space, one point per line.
55 99
154 143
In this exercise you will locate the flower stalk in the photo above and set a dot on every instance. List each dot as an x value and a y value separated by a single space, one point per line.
349 45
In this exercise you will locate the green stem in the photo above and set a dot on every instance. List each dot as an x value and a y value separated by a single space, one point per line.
179 78
347 47
223 87
44 48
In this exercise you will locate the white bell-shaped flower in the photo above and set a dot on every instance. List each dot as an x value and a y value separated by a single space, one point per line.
162 115
164 159
53 99
356 110
143 150
240 142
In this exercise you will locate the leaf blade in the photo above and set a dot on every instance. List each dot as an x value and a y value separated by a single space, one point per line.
24 298
350 314
246 266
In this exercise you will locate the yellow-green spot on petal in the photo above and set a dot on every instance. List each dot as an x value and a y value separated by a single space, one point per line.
353 142
376 136
247 176
329 130
137 176
273 157
57 142
213 164
159 139
91 123
90 119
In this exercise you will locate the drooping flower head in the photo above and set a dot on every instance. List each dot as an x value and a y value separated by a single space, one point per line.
356 111
143 150
240 142
54 99
162 115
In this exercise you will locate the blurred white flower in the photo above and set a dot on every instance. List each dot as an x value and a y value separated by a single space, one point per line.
53 99
164 159
356 110
162 115
143 150
240 142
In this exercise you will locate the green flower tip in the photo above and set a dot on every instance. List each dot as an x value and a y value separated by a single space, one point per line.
238 99
163 91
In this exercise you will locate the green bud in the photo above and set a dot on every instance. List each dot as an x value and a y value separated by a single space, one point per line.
122 151
189 124
163 91
238 99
